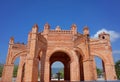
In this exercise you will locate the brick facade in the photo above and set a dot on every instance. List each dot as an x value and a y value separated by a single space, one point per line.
75 50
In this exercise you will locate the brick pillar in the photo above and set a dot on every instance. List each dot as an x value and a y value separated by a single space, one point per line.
20 69
31 65
7 73
8 67
110 72
94 69
31 70
74 71
67 71
47 72
88 70
42 71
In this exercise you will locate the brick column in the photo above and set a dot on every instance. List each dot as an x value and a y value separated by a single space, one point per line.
88 70
74 71
43 67
20 69
31 64
47 72
110 72
31 70
67 71
7 73
94 69
8 67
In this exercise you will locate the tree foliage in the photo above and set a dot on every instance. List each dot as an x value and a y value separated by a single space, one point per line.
1 69
99 72
15 70
117 68
61 73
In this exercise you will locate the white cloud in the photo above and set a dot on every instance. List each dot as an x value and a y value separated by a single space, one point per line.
113 35
116 51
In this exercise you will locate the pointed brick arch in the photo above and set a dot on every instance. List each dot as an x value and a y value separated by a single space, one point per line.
105 63
105 60
65 59
22 53
65 50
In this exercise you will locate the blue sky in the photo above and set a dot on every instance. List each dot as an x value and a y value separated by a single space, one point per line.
18 16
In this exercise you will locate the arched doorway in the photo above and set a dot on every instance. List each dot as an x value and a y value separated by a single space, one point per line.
19 68
100 68
65 59
15 69
57 71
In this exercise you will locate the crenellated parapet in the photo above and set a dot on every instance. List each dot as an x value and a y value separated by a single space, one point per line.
47 31
60 32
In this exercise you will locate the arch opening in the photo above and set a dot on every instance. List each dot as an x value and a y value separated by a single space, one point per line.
23 53
19 68
15 69
64 61
100 68
39 68
57 71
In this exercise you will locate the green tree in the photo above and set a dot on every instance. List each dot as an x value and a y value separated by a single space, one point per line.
1 69
15 70
117 68
61 73
99 72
